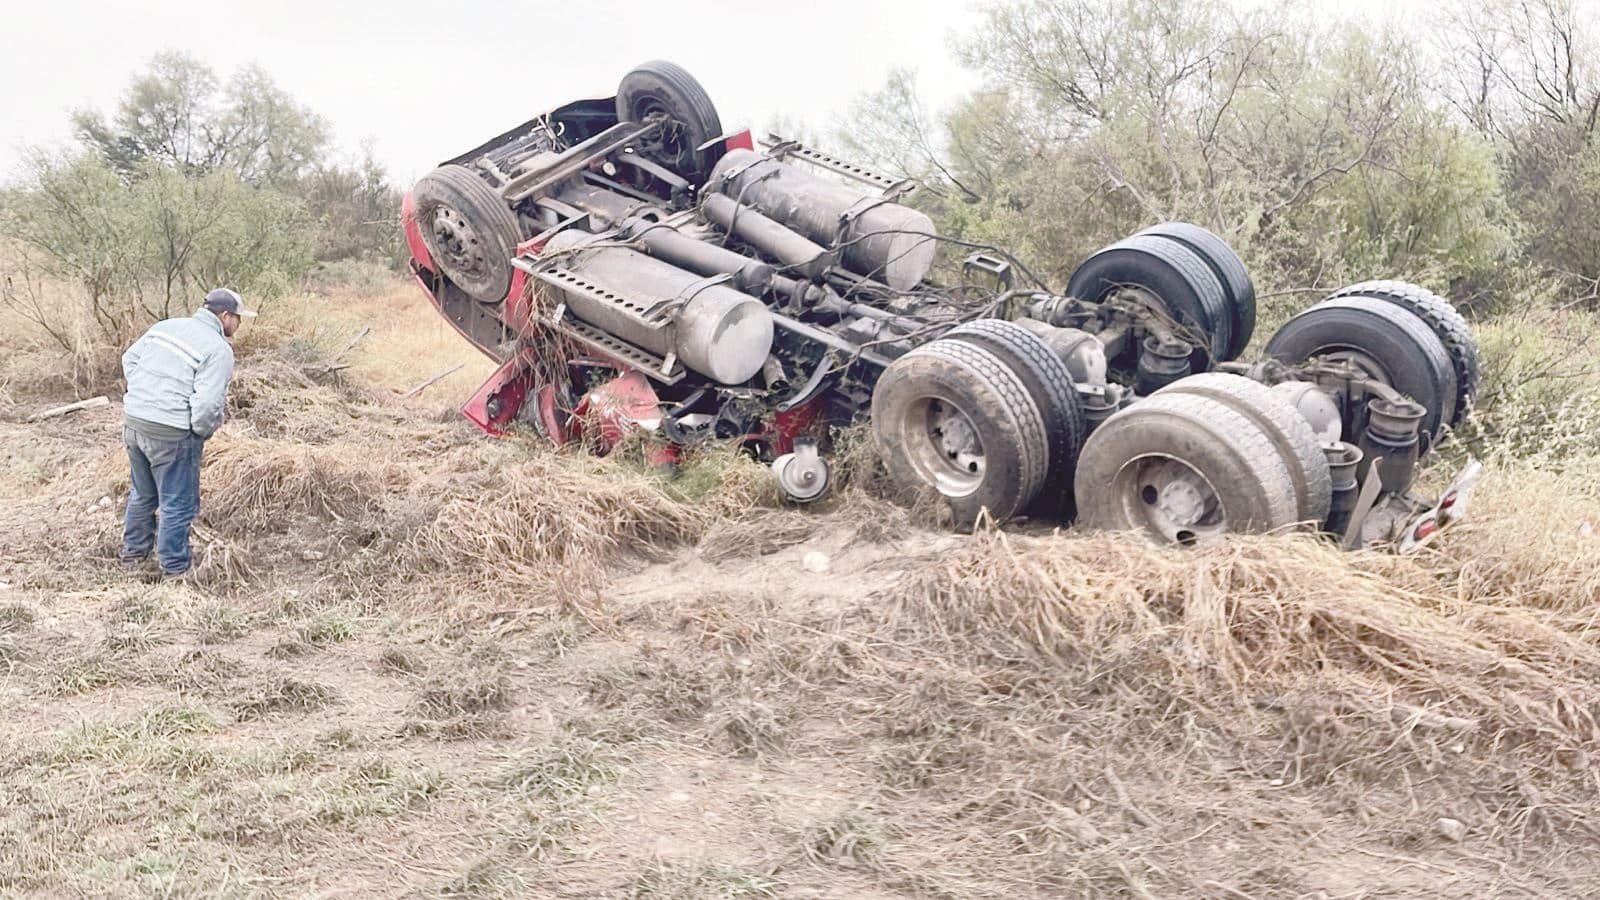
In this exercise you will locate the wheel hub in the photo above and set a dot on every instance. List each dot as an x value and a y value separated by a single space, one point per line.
457 242
1358 360
1170 499
944 447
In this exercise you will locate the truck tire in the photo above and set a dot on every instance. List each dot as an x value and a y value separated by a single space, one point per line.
954 417
1289 431
1177 275
469 230
1229 269
1385 340
1445 321
1050 385
1184 468
659 86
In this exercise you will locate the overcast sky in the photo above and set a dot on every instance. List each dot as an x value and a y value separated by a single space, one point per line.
426 80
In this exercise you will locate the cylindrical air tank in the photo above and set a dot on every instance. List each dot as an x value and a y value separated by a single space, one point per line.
715 330
876 238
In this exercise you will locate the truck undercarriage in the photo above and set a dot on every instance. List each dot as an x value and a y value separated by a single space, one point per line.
633 267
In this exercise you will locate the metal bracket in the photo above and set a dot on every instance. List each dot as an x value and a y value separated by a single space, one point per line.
694 288
825 367
652 311
1365 501
893 189
733 173
576 159
667 371
654 168
848 218
1001 270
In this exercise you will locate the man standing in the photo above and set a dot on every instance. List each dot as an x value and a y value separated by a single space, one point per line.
178 375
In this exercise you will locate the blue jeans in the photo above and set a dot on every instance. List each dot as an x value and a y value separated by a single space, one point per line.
164 476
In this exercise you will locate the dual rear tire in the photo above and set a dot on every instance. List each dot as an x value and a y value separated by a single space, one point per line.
1199 281
986 417
1207 455
1396 333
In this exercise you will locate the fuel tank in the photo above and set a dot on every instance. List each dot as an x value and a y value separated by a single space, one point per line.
720 332
876 238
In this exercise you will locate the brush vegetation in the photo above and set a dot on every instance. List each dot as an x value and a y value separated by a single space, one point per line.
417 661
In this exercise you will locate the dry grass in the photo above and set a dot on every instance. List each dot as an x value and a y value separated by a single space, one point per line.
457 695
556 520
284 695
408 342
428 662
664 880
16 617
1401 689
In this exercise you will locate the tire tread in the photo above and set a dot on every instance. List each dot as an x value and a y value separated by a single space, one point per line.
1446 322
1050 383
1288 429
1229 269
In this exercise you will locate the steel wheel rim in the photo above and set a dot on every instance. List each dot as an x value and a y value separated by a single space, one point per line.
457 245
1169 499
943 446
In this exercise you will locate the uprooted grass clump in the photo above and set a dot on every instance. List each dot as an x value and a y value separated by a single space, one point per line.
16 617
456 695
548 523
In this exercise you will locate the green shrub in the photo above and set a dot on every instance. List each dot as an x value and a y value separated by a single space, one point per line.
146 249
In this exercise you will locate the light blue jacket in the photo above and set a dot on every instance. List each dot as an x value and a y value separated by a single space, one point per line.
178 373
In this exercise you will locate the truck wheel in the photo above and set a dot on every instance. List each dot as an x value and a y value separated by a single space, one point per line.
1229 269
1281 422
955 417
1184 468
1445 321
1050 385
1383 340
1172 272
470 231
663 87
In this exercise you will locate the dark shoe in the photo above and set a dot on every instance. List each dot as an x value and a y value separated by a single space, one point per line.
162 576
133 563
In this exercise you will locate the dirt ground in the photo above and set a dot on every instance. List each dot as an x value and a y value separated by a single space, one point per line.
414 661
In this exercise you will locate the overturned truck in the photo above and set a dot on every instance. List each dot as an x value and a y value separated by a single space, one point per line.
632 266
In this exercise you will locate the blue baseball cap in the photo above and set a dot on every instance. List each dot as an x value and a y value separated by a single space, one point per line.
223 300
